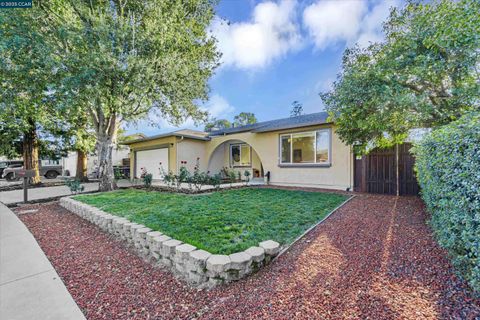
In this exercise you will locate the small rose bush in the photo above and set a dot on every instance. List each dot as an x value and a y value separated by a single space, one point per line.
146 177
448 171
195 179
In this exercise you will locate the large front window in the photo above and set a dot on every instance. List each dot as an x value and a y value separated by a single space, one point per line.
312 147
240 155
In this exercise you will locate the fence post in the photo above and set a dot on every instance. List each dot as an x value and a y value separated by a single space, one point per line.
397 171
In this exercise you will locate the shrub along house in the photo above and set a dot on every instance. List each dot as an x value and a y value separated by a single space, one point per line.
297 151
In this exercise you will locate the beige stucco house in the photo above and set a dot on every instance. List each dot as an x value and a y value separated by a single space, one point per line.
298 151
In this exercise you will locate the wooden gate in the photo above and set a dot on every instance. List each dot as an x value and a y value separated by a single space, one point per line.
376 172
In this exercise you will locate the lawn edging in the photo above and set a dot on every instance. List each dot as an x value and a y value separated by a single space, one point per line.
197 267
313 227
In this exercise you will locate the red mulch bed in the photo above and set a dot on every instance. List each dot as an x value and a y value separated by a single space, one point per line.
374 258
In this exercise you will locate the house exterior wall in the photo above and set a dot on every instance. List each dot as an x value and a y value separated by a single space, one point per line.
189 150
339 175
217 159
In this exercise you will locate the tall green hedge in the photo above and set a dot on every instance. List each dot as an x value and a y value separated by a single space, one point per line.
448 171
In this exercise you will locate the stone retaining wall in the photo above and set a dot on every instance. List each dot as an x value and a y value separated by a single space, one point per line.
196 266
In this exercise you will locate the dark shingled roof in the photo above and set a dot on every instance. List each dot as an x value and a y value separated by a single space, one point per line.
280 124
185 133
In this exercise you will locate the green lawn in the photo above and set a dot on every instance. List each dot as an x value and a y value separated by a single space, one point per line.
222 222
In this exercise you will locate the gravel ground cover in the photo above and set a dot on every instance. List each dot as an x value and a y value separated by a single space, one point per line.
372 259
223 222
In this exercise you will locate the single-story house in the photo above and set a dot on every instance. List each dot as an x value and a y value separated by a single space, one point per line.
297 151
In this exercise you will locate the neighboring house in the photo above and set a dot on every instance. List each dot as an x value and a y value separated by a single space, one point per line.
69 163
120 157
296 151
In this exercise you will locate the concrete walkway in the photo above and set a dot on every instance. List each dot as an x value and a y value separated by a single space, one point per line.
30 288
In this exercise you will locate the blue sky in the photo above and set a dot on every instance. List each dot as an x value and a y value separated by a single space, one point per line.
276 52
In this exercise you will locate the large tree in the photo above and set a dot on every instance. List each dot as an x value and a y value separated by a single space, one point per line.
424 74
130 59
27 70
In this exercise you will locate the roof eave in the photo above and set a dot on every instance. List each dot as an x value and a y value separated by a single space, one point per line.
260 130
165 136
232 132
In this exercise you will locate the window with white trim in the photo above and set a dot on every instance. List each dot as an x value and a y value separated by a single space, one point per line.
311 147
240 155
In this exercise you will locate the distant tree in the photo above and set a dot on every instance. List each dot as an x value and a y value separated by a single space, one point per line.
244 118
217 124
297 109
123 60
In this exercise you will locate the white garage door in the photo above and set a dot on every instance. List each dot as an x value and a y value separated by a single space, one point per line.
150 160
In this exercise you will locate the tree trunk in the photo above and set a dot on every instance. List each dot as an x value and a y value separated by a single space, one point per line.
81 173
30 152
105 167
397 171
106 133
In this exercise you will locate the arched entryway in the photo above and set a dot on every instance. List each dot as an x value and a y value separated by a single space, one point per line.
236 155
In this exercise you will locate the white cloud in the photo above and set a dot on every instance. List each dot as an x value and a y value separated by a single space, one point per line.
331 21
350 21
271 33
217 107
371 26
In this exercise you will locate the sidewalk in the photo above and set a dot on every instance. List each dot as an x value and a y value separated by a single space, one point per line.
30 288
16 196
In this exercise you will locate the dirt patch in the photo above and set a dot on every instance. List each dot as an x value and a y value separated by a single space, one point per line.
373 258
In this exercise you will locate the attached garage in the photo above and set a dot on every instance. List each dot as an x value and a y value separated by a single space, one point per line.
168 151
155 161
